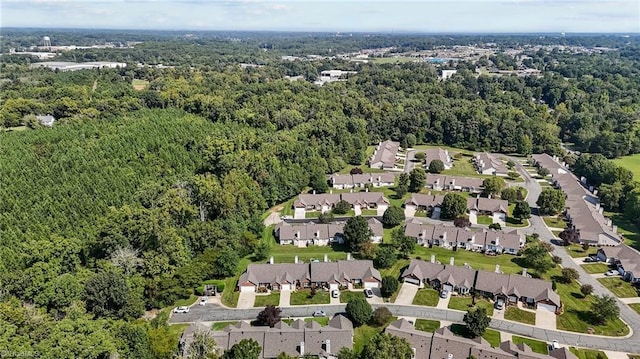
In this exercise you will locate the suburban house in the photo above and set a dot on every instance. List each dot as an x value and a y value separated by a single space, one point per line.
488 164
425 202
46 120
438 154
450 237
325 202
319 234
298 339
290 276
512 288
624 258
385 155
443 344
453 183
583 210
497 209
346 181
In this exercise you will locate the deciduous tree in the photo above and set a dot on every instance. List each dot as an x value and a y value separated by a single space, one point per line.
387 346
417 180
244 349
393 216
359 310
453 205
477 321
389 286
356 232
551 202
603 308
436 166
493 185
269 316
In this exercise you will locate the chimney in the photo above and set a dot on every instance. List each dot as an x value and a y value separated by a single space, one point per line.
433 258
301 348
379 178
497 270
497 241
318 234
271 260
615 228
524 272
595 192
609 222
478 195
489 196
327 346
601 210
366 189
298 235
295 259
451 261
326 257
348 256
597 206
314 191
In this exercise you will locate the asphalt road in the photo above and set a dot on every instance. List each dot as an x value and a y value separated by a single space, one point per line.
408 162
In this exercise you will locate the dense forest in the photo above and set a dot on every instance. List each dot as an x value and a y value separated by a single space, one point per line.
134 197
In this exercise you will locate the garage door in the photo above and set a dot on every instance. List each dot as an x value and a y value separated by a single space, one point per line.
371 284
247 288
549 307
412 281
448 287
286 287
333 286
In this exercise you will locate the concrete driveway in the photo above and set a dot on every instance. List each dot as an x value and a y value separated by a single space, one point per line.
443 303
333 301
410 212
246 300
473 218
377 297
407 293
498 313
285 298
545 319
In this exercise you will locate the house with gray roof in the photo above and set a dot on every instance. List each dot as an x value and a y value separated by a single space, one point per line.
297 340
347 181
488 164
325 202
512 288
290 276
438 154
385 155
440 182
320 234
625 259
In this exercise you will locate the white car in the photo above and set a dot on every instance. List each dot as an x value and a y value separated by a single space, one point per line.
319 313
555 345
181 310
611 273
368 293
203 301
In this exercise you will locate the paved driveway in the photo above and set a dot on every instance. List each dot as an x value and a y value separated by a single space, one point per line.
498 314
409 212
443 303
377 297
545 319
285 298
246 300
407 293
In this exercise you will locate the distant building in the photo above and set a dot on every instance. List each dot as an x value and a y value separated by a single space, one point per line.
75 66
47 120
447 74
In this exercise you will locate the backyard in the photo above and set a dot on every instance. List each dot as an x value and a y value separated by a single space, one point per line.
519 315
303 297
490 335
427 325
465 303
287 253
629 230
474 259
636 307
619 287
535 345
428 297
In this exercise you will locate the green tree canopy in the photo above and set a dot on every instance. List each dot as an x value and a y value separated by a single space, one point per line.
551 202
387 346
244 349
603 308
356 232
522 210
389 286
454 205
477 321
393 216
385 257
417 179
493 185
359 310
436 166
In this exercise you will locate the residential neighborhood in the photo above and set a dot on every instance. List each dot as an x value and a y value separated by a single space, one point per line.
325 202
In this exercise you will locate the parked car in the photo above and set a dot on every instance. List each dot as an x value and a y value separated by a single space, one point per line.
555 345
368 293
589 259
181 310
444 293
611 272
499 304
319 313
203 301
335 293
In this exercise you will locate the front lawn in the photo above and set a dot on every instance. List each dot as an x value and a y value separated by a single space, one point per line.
595 268
222 325
464 304
628 229
346 296
186 302
264 300
636 307
287 253
428 297
476 260
324 321
369 212
519 315
535 345
427 325
588 353
576 251
485 220
555 222
513 222
302 297
493 337
394 270
362 335
619 287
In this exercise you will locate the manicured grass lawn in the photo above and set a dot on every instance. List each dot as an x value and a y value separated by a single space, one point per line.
287 253
394 270
427 325
463 167
186 302
324 321
230 295
492 336
476 260
555 222
346 296
428 297
139 84
485 220
362 335
632 163
301 297
630 231
512 222
595 268
519 315
312 214
221 325
464 304
369 212
619 287
264 300
587 353
386 234
575 250
636 307
391 195
287 207
176 330
536 345
576 316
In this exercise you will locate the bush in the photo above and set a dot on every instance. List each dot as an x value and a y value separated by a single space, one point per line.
495 226
586 289
462 222
359 310
436 166
389 286
556 260
342 207
381 316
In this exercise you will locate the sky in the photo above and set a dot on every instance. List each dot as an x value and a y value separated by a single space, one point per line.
620 16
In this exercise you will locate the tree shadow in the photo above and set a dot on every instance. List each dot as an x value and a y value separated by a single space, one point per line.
577 295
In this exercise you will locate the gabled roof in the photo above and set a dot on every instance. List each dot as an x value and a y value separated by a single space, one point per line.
322 199
386 153
562 353
425 200
365 198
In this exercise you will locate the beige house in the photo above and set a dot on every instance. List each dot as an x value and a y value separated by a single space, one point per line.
318 234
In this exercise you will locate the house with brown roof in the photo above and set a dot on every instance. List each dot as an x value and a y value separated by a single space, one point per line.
367 200
298 339
488 164
510 287
290 276
385 155
438 154
320 234
625 259
322 202
439 182
424 202
347 181
325 202
497 209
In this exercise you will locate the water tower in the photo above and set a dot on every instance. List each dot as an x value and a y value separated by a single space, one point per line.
47 42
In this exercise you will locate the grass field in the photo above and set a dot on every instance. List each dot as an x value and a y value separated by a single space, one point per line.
301 297
632 163
619 287
428 297
535 345
492 336
264 300
176 330
519 315
508 263
630 231
464 304
221 325
287 253
394 270
427 325
575 250
139 84
362 335
186 302
554 222
588 353
636 307
463 167
595 268
346 296
485 220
